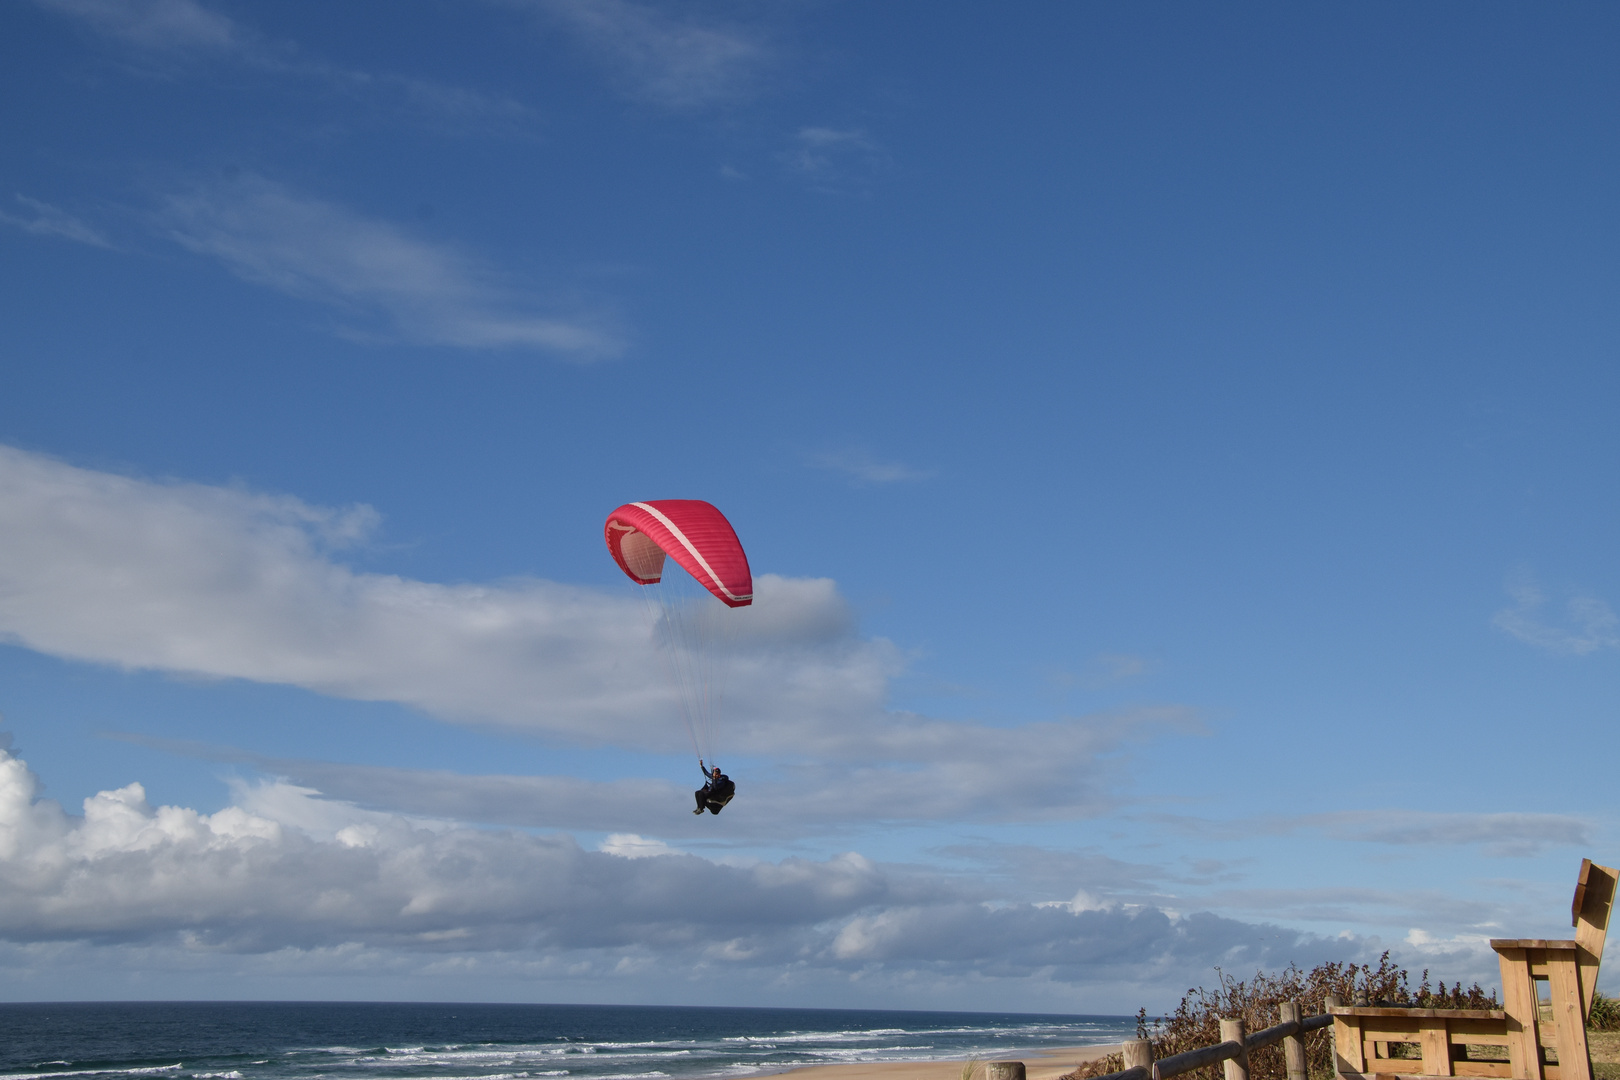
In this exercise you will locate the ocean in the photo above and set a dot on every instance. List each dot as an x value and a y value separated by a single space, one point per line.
381 1041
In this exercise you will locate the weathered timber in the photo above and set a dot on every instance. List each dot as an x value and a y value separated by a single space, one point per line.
1188 1060
1235 1067
1444 1014
1594 896
1288 1029
1364 1037
1293 1045
1004 1070
1138 1054
1140 1072
1176 1064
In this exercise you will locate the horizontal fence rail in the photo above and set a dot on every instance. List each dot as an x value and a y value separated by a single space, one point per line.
1233 1049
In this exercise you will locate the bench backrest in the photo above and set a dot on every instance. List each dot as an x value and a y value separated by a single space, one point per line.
1594 897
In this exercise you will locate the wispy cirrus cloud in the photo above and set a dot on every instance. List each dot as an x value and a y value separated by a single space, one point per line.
1589 624
163 25
389 282
832 159
1502 834
863 467
659 55
43 219
173 33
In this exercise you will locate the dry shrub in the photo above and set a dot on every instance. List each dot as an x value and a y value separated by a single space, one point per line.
1605 1013
1196 1021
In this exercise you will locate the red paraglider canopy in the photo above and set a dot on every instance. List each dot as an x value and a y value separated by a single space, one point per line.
697 535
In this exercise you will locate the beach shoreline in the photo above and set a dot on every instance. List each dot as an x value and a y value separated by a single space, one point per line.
1038 1065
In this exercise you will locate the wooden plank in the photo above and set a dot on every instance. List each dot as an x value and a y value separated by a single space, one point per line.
1496 1069
1533 943
1446 1014
1347 1053
1591 911
1570 1021
1519 1002
1580 892
1479 1038
1436 1049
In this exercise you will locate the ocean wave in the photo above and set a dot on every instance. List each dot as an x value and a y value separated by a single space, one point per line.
150 1070
646 1054
813 1036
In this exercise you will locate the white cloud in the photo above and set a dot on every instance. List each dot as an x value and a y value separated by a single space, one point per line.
373 270
43 219
631 846
1591 624
224 583
864 468
1425 944
668 60
239 881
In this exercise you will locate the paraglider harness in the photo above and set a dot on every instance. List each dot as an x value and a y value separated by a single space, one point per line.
716 792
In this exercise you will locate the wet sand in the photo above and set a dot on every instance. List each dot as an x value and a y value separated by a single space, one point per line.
1038 1065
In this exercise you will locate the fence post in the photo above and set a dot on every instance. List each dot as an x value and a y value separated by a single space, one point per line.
1004 1070
1293 1045
1139 1054
1235 1068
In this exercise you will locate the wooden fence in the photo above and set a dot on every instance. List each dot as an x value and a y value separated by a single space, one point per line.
1233 1050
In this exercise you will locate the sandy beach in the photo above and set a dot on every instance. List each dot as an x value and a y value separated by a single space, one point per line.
1038 1065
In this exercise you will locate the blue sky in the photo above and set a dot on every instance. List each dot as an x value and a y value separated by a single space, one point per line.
1175 446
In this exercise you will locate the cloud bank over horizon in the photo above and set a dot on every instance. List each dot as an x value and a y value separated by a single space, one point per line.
285 872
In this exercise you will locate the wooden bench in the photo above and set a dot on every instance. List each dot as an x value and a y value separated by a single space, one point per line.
1528 1024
